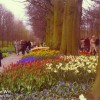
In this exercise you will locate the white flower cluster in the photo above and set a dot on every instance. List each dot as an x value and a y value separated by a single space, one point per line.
88 63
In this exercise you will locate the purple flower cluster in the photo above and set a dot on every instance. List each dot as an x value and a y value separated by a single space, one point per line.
60 91
29 59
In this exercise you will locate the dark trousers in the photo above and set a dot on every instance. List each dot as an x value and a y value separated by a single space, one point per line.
23 51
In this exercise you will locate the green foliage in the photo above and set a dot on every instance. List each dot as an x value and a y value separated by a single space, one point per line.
7 50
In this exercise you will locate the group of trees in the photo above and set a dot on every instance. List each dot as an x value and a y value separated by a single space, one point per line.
61 24
48 19
91 21
56 20
37 10
10 29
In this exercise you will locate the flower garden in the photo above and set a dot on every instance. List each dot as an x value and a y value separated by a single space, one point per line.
49 75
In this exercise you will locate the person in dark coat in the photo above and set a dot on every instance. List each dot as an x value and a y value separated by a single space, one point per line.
87 44
29 44
97 41
0 57
23 46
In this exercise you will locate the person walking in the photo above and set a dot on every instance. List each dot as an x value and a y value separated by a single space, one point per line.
17 47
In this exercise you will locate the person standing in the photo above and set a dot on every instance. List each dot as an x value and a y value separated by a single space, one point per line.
0 57
97 41
93 49
82 45
17 47
87 44
29 45
23 46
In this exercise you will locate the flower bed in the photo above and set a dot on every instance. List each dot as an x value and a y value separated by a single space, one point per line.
39 48
54 77
43 54
60 91
29 59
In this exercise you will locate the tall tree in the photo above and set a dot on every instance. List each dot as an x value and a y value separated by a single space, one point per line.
65 25
9 21
58 12
10 29
71 27
2 13
96 87
37 10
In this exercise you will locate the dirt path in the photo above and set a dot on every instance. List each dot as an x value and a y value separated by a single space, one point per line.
10 59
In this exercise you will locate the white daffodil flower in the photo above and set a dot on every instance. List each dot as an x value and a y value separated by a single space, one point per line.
60 64
89 71
76 71
55 71
81 97
50 64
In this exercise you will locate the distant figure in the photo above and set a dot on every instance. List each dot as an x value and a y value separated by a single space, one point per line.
82 44
0 57
93 49
41 44
34 44
29 45
17 47
87 44
44 44
97 41
23 46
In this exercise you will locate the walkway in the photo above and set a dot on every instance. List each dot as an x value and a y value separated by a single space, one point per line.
10 59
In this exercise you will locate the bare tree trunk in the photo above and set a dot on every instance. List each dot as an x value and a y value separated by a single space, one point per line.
58 8
71 27
48 30
51 30
96 86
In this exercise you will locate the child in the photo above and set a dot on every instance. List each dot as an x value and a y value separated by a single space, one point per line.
0 57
